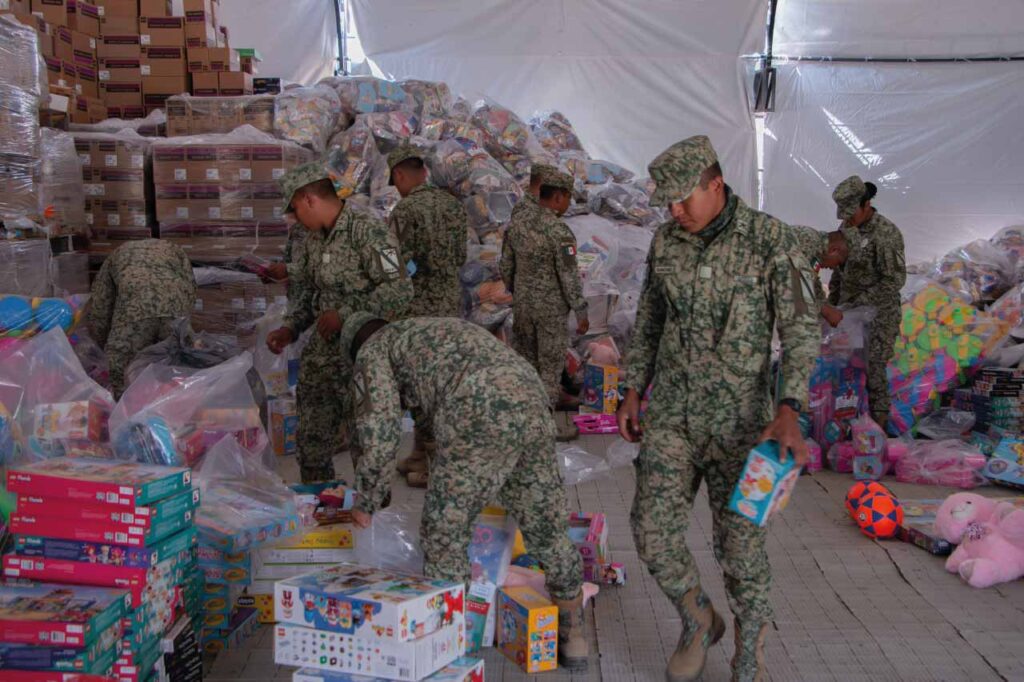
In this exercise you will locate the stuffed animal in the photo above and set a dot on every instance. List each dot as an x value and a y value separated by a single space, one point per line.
990 536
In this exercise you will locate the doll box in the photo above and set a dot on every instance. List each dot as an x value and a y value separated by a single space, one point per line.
64 615
460 670
394 660
79 419
1006 466
178 545
133 536
528 629
368 602
600 388
169 509
589 533
765 484
120 484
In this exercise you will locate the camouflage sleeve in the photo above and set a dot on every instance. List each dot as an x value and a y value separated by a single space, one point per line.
569 272
891 264
401 224
507 264
834 285
381 260
796 320
650 322
188 275
461 238
819 292
378 423
101 305
299 315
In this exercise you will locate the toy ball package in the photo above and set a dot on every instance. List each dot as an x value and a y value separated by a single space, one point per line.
870 444
528 629
765 484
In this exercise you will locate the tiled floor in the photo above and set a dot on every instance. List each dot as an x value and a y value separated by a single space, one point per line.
847 608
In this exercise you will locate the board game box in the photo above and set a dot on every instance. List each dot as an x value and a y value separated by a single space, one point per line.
528 629
368 602
96 659
460 670
59 615
171 508
51 676
919 524
108 554
133 536
99 481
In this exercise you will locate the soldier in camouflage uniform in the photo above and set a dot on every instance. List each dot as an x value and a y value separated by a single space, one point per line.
538 266
822 250
494 443
525 211
720 277
432 228
140 289
350 263
873 275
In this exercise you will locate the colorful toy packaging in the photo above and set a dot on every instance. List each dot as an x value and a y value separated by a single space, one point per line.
22 317
869 444
460 670
480 615
123 484
918 527
528 629
600 388
180 545
951 463
68 615
1006 466
589 533
307 116
765 484
284 425
838 390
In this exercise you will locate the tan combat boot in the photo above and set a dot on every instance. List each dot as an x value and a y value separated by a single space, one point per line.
565 429
418 479
748 662
573 650
702 627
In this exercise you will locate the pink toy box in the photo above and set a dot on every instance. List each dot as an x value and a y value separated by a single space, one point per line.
589 533
120 484
67 615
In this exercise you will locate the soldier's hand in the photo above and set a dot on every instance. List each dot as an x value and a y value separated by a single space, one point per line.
785 430
582 326
328 324
276 272
361 518
628 416
279 339
832 315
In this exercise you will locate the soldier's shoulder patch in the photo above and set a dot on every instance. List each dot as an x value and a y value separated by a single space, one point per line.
568 251
389 261
361 387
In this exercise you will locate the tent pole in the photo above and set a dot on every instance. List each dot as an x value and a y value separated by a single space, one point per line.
342 65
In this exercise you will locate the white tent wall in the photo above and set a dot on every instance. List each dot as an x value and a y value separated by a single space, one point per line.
633 77
943 142
298 39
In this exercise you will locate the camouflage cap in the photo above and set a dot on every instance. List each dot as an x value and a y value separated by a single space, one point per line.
350 328
402 152
677 170
539 170
848 195
299 177
553 177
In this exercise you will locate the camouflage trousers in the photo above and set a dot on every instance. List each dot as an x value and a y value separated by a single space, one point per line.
543 341
438 296
324 406
884 331
669 470
126 339
494 444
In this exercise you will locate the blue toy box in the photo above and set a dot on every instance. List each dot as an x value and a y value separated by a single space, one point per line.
765 484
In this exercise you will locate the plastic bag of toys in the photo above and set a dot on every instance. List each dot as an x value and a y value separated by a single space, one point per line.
838 389
391 128
369 95
625 203
507 137
951 463
1010 240
980 270
433 99
351 158
393 541
592 171
554 131
307 116
279 372
486 189
22 317
946 423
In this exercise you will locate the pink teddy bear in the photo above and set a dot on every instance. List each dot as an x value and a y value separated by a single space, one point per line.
990 536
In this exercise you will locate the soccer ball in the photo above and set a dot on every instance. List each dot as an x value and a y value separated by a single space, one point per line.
879 515
859 490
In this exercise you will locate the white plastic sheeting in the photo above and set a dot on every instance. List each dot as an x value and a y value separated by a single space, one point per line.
298 39
633 77
899 28
943 142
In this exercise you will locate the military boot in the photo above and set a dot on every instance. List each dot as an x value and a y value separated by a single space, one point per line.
417 479
565 429
748 662
573 650
702 627
416 461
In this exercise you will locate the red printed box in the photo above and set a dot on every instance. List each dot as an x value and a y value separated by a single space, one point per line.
105 531
99 481
178 506
65 615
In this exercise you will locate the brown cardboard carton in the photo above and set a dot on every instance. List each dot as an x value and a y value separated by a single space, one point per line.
235 83
169 31
118 8
114 183
69 74
83 48
23 7
109 217
46 44
198 59
84 17
118 25
91 108
156 89
120 70
106 152
88 81
197 6
56 76
54 12
200 34
154 8
119 47
126 112
205 84
266 202
223 59
63 41
121 94
164 61
169 164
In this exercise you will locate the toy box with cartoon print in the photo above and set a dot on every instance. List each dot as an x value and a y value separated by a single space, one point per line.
180 505
98 481
765 484
589 533
68 615
368 602
528 629
1006 466
460 670
179 544
600 388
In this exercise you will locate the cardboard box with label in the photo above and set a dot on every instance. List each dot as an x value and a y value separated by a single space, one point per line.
155 8
162 31
118 26
54 12
84 17
249 59
200 33
234 84
114 183
120 70
119 8
156 89
164 60
205 84
222 59
119 47
88 81
192 116
528 629
121 94
22 7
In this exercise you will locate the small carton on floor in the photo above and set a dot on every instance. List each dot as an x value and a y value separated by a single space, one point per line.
460 670
528 629
765 484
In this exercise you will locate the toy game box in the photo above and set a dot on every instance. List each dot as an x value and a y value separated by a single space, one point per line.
49 676
169 509
178 545
765 484
120 484
369 603
528 629
1006 466
460 670
59 615
102 532
589 533
394 660
95 660
288 555
335 536
600 388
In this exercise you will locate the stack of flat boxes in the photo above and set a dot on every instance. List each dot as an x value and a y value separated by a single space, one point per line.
215 67
205 115
226 624
112 524
20 142
118 202
996 398
233 308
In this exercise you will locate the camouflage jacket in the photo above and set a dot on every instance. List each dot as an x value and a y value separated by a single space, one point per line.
705 319
875 270
294 247
141 279
354 266
525 210
430 365
538 265
432 229
812 244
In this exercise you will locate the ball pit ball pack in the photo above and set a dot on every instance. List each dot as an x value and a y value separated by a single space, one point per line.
22 317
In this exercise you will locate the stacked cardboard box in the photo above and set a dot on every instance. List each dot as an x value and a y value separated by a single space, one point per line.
464 669
111 524
182 659
225 624
204 115
407 627
996 398
231 308
20 142
116 169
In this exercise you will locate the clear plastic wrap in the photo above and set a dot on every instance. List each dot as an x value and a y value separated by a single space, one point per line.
554 131
622 453
351 158
279 372
433 99
173 415
507 138
946 423
950 463
19 58
245 505
59 410
369 95
117 186
307 116
486 301
391 128
625 203
25 265
979 270
473 175
393 540
61 190
22 317
187 115
579 466
19 185
153 125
